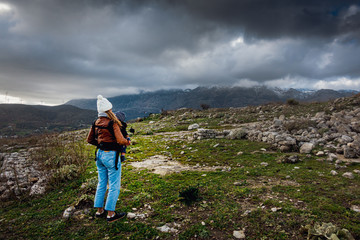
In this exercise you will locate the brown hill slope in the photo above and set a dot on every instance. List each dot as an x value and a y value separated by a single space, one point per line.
19 119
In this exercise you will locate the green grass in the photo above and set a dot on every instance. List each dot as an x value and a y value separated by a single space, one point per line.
305 195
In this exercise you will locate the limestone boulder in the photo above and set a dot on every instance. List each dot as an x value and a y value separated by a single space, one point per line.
306 148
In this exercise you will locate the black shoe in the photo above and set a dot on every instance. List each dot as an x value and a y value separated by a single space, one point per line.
116 216
101 215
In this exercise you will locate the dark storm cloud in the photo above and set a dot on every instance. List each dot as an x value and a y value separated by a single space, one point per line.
278 18
80 48
264 18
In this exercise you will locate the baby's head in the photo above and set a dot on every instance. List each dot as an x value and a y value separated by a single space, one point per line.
121 116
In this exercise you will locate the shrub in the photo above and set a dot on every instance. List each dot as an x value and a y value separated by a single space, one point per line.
134 150
63 155
148 132
164 112
85 201
219 115
90 185
67 172
189 195
292 102
204 106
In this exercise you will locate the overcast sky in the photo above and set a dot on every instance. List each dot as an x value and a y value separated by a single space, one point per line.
52 51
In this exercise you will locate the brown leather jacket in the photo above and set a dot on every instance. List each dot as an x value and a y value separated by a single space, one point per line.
105 135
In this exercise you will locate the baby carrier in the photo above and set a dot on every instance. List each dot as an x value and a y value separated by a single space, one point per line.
107 146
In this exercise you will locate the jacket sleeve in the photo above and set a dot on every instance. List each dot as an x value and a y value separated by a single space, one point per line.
119 137
91 137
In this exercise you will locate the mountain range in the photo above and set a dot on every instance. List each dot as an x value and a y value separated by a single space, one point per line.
142 104
22 120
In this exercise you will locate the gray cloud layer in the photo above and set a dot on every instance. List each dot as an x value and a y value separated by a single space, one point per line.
54 50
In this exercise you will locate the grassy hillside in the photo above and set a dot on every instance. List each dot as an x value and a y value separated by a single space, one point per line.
248 189
18 119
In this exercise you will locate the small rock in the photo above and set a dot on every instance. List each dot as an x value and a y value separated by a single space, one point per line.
296 167
346 138
320 115
306 148
294 159
204 175
67 213
240 153
338 161
331 157
131 215
38 188
265 164
203 223
239 234
277 122
356 171
348 175
275 209
167 229
182 152
247 212
216 145
193 126
33 180
349 153
333 172
284 148
320 153
140 216
355 208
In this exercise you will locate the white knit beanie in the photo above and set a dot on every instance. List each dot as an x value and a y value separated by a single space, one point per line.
103 104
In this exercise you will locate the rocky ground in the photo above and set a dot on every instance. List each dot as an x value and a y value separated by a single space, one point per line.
334 129
20 176
260 172
27 166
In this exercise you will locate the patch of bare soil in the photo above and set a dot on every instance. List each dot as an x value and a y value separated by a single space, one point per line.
181 135
269 182
162 165
349 160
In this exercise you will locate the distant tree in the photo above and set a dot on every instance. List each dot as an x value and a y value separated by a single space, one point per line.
292 102
204 106
164 112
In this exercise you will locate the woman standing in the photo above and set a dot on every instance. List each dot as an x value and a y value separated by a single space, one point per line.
105 134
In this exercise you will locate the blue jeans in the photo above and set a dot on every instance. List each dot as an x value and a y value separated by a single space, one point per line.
107 173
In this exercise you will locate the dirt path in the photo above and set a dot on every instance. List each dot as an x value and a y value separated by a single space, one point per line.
175 136
162 165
